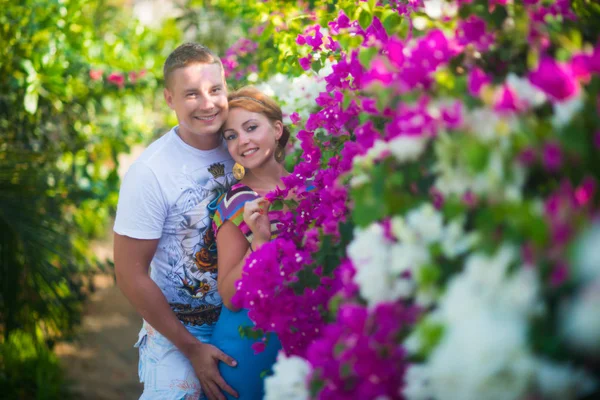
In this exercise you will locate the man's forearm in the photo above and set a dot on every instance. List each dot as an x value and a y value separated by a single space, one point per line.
147 298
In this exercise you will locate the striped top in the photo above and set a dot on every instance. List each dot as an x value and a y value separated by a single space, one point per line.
231 207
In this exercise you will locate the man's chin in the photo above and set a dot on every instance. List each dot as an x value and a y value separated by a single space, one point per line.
206 131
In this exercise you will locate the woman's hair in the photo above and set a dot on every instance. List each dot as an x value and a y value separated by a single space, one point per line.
251 99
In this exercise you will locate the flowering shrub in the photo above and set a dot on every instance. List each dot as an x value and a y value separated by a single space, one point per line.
447 252
74 96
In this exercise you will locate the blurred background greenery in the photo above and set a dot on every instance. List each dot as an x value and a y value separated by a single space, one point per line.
80 87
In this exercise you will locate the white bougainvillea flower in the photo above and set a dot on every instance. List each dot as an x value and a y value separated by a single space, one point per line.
580 319
587 257
427 222
485 356
371 255
436 9
564 111
289 379
525 91
559 382
484 351
407 148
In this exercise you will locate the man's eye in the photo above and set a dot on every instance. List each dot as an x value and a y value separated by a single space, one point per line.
191 95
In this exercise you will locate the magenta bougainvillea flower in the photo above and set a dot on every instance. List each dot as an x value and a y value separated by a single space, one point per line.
473 31
556 80
305 63
117 79
476 80
552 156
96 74
341 22
507 100
482 149
358 355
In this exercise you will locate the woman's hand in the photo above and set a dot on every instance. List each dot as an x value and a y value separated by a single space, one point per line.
257 218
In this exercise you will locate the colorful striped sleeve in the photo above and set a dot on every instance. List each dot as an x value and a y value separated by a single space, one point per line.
231 207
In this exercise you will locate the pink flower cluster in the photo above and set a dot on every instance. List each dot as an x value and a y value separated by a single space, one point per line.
406 7
117 78
359 356
406 67
272 273
564 209
473 31
562 81
241 48
267 290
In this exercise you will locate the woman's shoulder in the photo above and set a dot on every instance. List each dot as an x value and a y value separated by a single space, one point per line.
239 192
231 204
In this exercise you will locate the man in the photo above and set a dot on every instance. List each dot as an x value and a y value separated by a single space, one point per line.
162 224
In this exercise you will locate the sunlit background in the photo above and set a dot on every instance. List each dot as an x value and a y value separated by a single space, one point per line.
466 134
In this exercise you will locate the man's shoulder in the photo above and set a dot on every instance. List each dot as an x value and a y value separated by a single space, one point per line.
162 146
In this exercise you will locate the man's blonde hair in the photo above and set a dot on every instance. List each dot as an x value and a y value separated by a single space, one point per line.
187 54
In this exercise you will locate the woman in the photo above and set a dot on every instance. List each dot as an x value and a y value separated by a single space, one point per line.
255 137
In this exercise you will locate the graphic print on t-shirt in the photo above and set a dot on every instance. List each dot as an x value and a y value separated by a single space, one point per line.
190 245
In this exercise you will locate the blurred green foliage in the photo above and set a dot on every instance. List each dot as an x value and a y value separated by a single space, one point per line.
27 366
80 86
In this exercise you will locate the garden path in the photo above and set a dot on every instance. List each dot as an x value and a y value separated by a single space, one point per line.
101 364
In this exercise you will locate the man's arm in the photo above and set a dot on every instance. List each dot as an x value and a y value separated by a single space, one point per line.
132 260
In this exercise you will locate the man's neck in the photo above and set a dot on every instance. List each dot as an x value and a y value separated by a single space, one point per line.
204 142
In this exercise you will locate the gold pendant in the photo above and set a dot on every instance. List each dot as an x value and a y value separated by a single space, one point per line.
238 171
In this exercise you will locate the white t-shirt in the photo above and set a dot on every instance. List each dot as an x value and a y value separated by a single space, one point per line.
168 193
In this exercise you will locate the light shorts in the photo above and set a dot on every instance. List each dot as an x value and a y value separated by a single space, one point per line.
165 372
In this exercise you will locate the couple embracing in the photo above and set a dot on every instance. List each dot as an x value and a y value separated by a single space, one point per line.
190 211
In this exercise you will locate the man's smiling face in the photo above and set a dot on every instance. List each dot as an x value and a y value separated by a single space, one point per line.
198 95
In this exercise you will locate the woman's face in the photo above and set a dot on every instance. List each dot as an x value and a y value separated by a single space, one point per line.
251 137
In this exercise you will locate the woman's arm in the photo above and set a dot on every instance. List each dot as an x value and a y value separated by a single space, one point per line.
232 250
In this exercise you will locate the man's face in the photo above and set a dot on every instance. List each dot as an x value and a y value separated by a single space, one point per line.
198 95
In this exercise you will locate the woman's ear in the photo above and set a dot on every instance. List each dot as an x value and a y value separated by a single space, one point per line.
278 125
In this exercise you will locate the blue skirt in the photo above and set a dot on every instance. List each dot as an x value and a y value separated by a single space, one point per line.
247 378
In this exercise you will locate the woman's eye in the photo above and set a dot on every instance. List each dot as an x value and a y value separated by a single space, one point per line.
230 136
251 128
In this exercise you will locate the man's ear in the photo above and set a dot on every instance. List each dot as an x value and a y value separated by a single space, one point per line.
168 97
278 125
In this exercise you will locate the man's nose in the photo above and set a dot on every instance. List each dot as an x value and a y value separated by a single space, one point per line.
206 103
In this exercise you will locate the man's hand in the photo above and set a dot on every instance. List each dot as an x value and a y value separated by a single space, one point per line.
205 360
132 260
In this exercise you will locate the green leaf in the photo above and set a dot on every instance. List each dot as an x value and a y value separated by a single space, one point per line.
391 21
368 205
365 19
428 275
276 205
477 155
250 333
371 4
366 56
430 334
307 279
